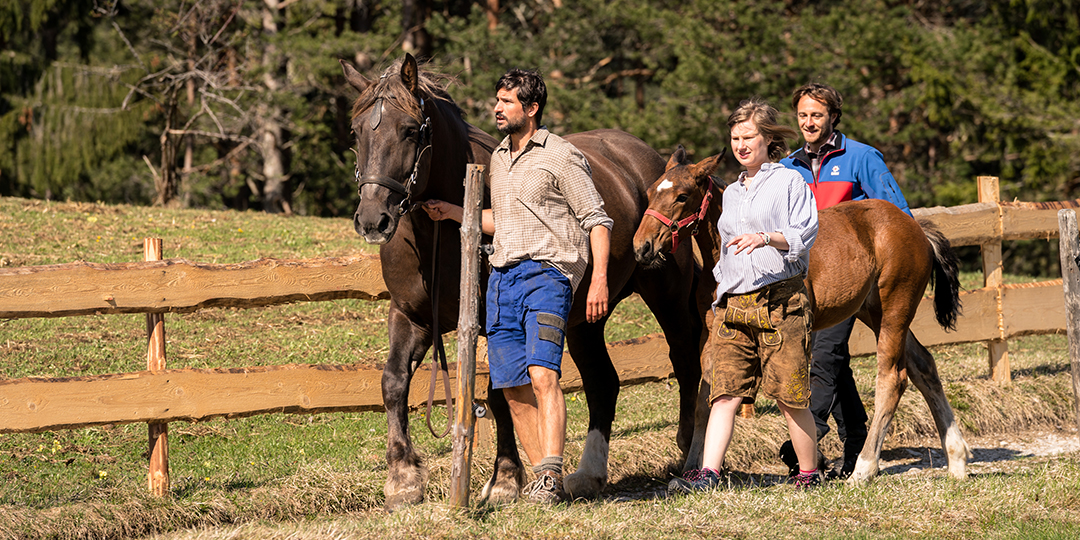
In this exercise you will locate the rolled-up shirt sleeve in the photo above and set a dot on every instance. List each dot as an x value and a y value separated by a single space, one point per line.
577 187
801 231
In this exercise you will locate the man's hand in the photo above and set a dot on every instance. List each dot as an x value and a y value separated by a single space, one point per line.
439 210
596 306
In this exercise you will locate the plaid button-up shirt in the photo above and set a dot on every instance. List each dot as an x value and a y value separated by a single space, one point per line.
544 204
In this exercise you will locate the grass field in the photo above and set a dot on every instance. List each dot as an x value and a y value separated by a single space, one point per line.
295 476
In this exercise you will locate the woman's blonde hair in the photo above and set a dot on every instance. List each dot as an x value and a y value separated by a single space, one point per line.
764 117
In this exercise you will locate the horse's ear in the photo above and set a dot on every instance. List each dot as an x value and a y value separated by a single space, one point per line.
354 78
677 158
704 168
409 73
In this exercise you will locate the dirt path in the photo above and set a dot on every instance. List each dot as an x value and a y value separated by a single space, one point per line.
993 453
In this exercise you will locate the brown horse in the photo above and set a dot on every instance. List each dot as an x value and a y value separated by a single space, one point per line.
870 260
412 145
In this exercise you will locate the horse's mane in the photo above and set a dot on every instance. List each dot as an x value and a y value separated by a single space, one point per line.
389 87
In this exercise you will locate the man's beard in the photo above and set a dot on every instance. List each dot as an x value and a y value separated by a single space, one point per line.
511 127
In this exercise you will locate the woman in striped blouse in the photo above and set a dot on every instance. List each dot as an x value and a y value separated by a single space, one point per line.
759 339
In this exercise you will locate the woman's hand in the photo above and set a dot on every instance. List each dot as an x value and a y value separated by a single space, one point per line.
747 242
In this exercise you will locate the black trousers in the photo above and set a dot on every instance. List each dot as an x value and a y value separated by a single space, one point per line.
832 387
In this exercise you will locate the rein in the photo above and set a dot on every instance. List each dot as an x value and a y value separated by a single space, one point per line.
691 220
438 352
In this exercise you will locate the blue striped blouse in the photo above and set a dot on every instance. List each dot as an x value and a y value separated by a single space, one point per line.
778 200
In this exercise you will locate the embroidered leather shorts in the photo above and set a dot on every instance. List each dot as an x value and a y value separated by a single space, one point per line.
761 341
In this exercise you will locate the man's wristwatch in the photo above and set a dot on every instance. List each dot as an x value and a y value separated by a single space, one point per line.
765 237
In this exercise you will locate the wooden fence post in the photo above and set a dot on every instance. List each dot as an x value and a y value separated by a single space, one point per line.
998 349
1069 251
158 432
468 333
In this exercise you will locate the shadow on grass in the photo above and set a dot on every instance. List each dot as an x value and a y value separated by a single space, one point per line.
192 487
906 458
1043 370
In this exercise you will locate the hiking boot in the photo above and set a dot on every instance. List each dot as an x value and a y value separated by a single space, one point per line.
787 455
845 469
546 489
803 481
694 480
852 448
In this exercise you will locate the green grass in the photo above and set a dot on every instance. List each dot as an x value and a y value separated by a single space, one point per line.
321 476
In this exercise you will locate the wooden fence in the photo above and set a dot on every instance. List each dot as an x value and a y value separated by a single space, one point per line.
157 395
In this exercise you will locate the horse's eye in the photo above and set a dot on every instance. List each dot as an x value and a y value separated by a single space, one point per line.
682 198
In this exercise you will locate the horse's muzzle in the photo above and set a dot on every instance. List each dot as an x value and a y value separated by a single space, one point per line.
375 231
648 254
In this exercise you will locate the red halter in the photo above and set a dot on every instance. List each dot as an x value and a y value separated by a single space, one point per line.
692 219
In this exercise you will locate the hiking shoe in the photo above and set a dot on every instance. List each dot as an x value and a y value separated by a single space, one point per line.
787 455
852 448
844 471
694 480
806 480
546 489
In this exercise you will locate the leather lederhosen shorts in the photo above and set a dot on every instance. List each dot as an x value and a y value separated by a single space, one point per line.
760 340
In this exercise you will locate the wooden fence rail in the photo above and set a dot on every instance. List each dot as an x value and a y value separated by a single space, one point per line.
994 313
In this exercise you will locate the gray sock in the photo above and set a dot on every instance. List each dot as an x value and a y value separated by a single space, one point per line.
550 463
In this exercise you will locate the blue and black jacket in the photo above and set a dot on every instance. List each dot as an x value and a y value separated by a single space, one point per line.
853 171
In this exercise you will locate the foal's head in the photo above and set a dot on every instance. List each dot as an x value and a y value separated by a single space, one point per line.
678 201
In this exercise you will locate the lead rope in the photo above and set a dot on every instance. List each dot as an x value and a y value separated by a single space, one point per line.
438 353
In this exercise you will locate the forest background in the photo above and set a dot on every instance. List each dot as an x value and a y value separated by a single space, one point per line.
241 104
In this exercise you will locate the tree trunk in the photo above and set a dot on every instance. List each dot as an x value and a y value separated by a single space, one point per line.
270 132
415 39
165 182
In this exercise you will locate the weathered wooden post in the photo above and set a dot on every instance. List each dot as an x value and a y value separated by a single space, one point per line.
468 333
158 432
1069 251
993 278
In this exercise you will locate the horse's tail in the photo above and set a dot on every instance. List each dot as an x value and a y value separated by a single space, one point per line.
945 278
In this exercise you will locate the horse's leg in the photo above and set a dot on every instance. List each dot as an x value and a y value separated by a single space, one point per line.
670 296
891 383
406 475
508 474
601 383
703 407
924 375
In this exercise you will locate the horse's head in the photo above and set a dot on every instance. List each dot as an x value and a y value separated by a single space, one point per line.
678 202
393 145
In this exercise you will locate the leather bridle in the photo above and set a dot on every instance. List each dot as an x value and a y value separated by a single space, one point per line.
690 221
423 144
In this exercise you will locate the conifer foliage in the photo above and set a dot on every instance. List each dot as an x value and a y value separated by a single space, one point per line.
241 103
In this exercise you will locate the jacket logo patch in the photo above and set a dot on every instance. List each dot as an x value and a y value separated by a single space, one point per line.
836 170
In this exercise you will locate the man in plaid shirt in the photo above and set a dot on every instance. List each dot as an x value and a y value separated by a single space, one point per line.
547 219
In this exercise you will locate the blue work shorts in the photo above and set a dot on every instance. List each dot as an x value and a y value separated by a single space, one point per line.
527 307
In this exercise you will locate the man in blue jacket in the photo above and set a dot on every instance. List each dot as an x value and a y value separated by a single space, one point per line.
838 169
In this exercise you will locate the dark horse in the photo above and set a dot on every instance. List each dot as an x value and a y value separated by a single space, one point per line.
870 260
413 145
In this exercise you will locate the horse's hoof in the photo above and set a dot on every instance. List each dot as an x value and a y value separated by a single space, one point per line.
505 483
404 498
864 472
497 494
404 487
583 486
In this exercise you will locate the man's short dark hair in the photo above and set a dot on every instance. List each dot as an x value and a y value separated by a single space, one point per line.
825 94
530 88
